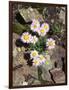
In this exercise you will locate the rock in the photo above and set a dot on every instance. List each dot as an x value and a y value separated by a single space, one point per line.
36 82
56 55
15 52
29 71
59 64
30 81
46 75
58 75
28 17
62 15
34 72
25 83
19 59
57 52
53 57
16 49
18 77
15 37
20 66
46 67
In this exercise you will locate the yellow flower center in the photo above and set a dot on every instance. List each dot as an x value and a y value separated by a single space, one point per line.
26 37
45 26
41 57
50 43
34 54
42 30
36 62
35 26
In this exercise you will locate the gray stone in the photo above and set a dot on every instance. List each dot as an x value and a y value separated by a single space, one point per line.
62 15
58 75
34 72
19 59
56 55
30 81
26 14
15 52
15 37
36 82
18 77
46 75
17 55
46 67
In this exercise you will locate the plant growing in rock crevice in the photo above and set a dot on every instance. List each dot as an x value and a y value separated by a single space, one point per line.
37 44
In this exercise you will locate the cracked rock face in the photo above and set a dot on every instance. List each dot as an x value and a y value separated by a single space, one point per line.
22 72
18 77
45 70
56 55
58 75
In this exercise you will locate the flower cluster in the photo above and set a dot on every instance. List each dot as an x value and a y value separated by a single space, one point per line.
41 30
35 27
38 59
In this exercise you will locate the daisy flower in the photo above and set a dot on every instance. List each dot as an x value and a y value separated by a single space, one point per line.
34 39
45 26
42 59
36 61
42 31
39 60
50 43
34 54
26 37
35 25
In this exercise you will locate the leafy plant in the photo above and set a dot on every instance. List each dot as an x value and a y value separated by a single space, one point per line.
39 46
56 28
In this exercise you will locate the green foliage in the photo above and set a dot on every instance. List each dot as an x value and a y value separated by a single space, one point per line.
56 28
18 28
39 46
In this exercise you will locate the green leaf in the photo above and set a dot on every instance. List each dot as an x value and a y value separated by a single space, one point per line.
56 28
39 46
